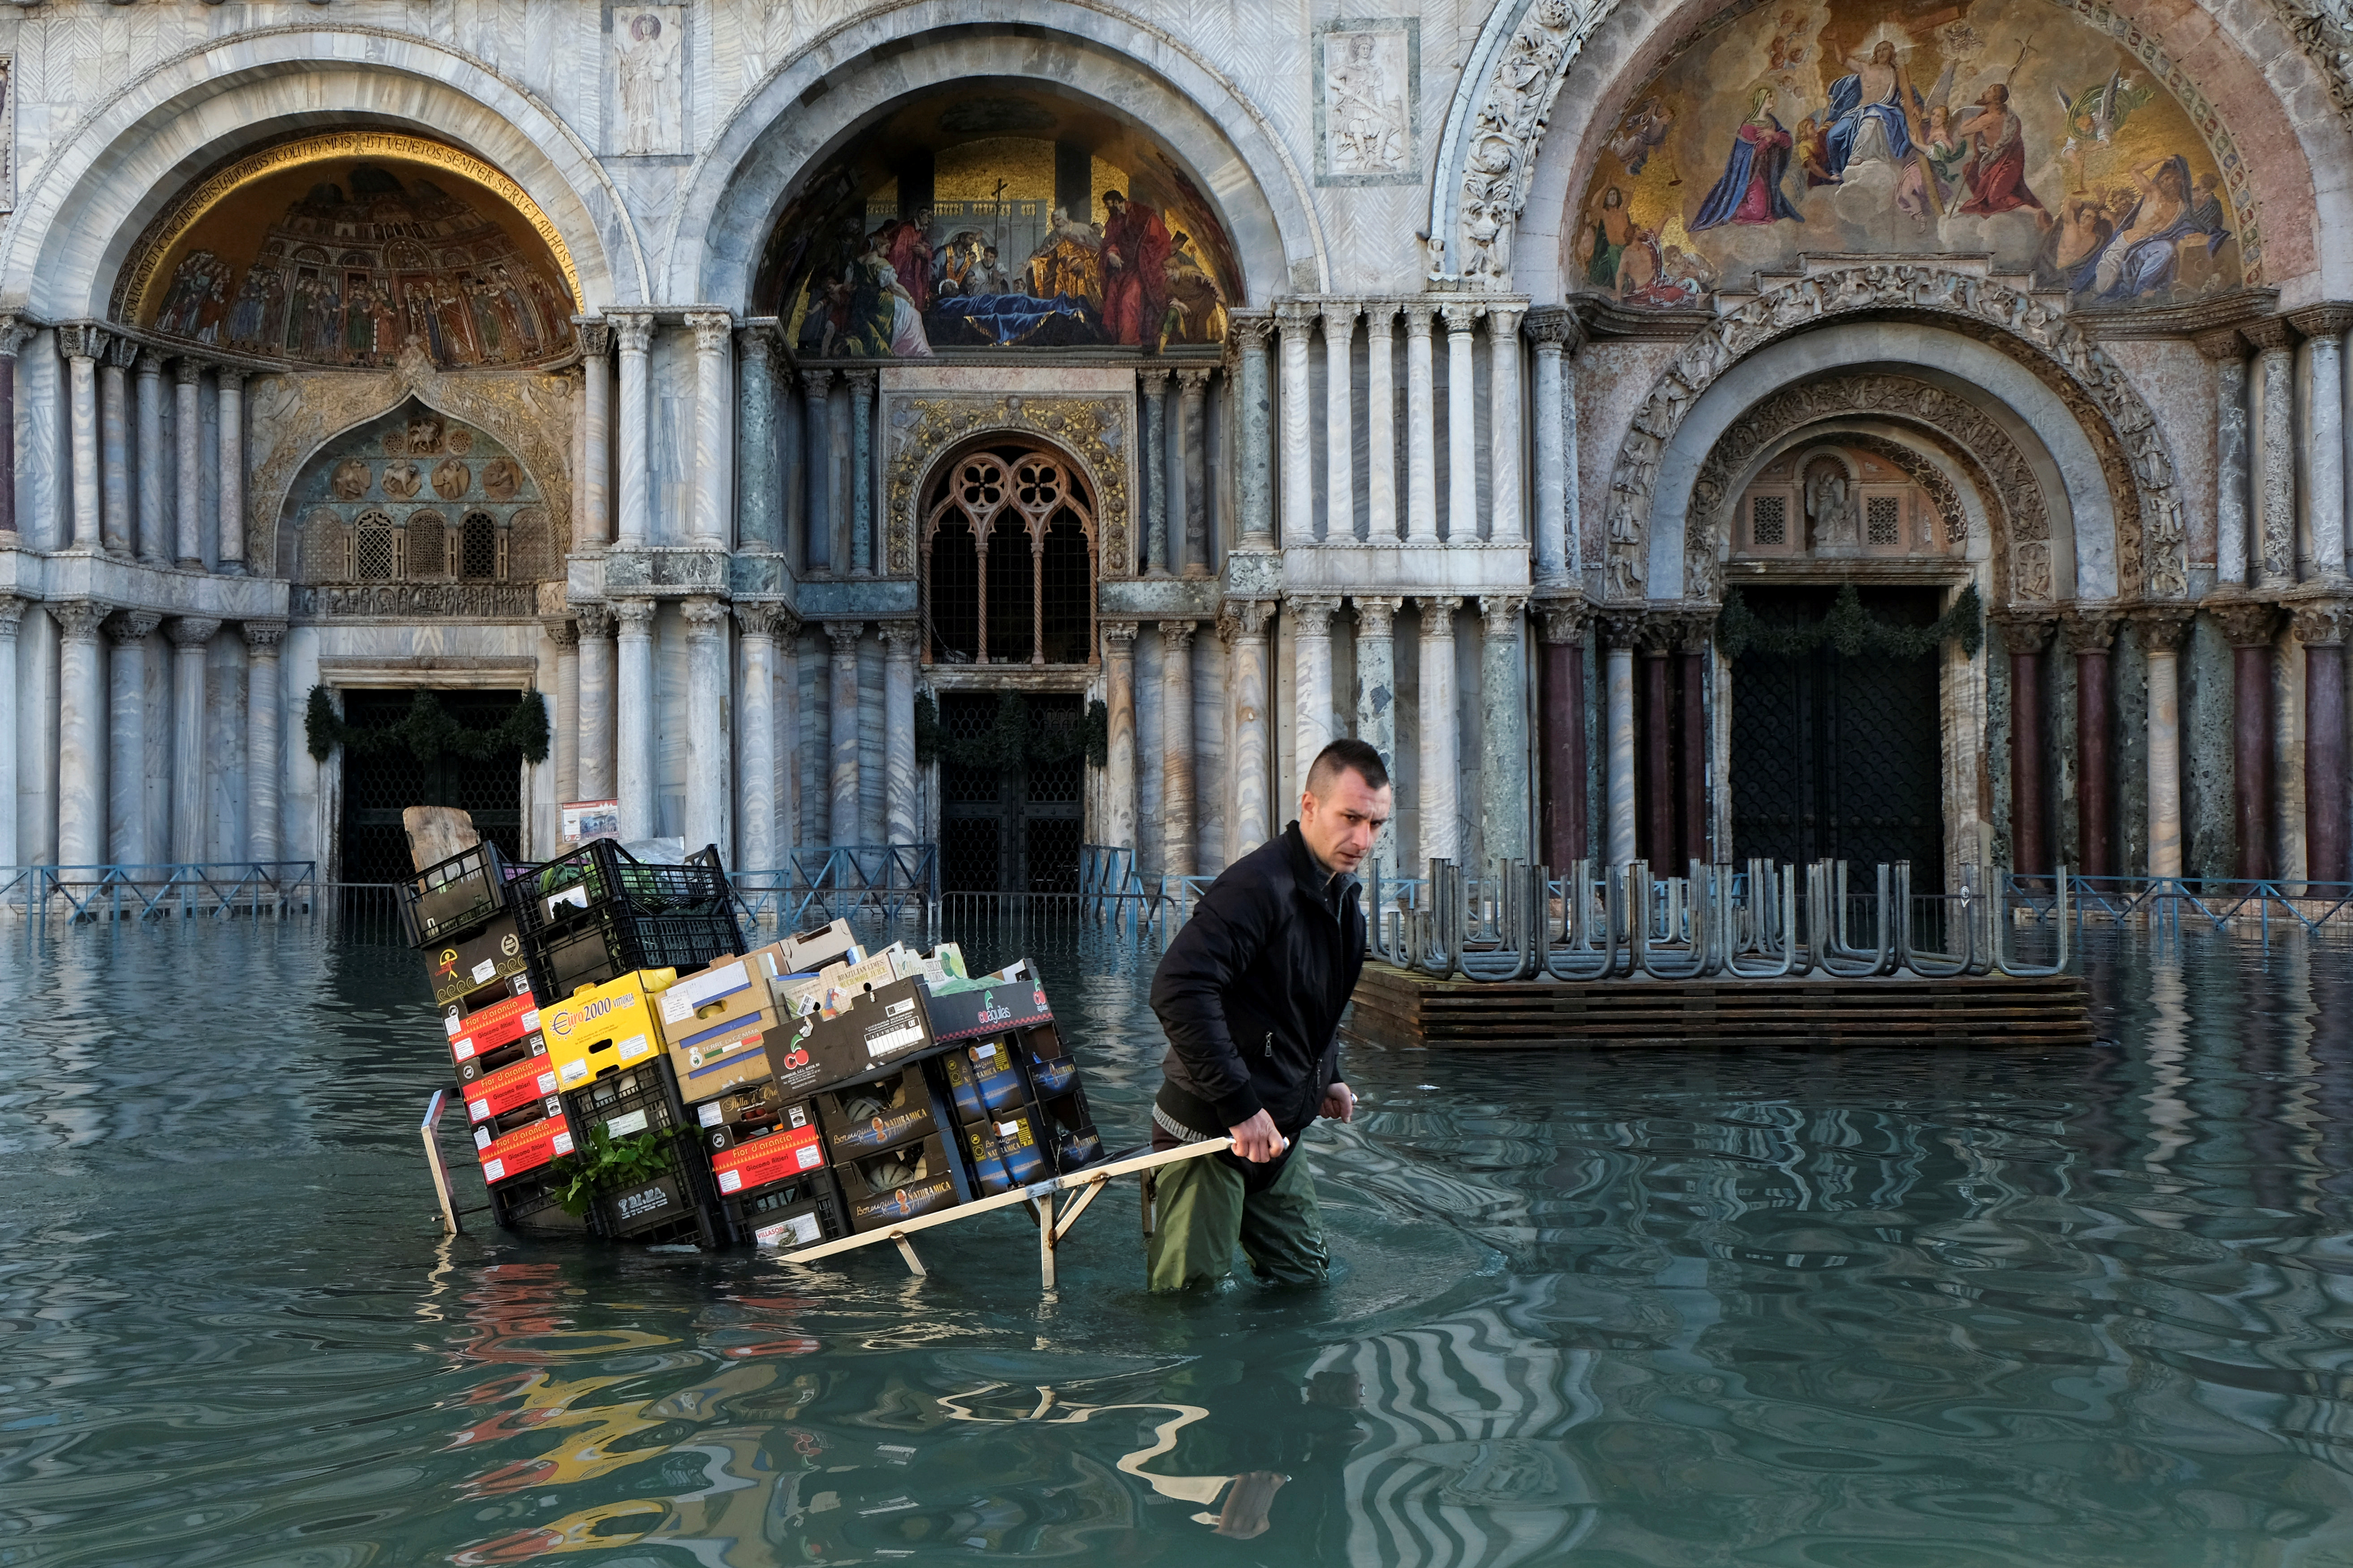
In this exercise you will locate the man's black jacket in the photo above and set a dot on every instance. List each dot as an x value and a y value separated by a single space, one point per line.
1251 990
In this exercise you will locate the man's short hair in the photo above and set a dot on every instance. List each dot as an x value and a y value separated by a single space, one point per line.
1346 756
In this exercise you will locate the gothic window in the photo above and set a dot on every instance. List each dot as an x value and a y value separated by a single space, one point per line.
375 548
1009 561
428 552
479 548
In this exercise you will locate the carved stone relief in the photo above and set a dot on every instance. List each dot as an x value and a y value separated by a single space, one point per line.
920 430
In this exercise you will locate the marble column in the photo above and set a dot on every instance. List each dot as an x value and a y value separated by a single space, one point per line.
566 751
2320 627
230 458
1376 674
1190 556
2249 625
82 344
1504 423
120 522
81 740
596 340
755 730
710 763
714 432
901 822
817 471
1298 322
12 616
1420 429
153 496
1176 857
262 760
1313 720
595 747
2029 780
863 558
2089 636
2227 351
1505 799
2324 327
1693 658
1380 422
1661 633
841 547
633 746
1461 423
189 747
1560 740
1621 629
1153 556
1439 806
759 506
1242 625
789 741
1254 415
2162 628
126 728
1551 330
1339 421
841 709
187 434
633 330
1119 698
15 333
2275 563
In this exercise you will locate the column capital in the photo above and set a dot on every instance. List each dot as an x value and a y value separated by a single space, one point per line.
2088 630
758 341
595 336
1417 319
1621 625
900 638
818 383
1343 312
263 639
125 627
2245 623
187 370
1154 381
1501 612
862 379
1462 316
1175 635
845 636
1565 617
79 619
229 377
1438 604
559 628
1661 633
712 329
1553 327
12 616
1503 321
593 619
1694 629
2025 631
1119 638
15 332
1375 613
192 631
2162 626
151 361
1250 328
122 353
2268 333
705 616
2324 320
2224 345
1295 314
2320 623
1311 613
636 617
1380 317
82 339
1244 618
633 330
765 618
1192 381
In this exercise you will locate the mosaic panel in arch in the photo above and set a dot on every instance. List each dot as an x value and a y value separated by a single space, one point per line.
415 496
2007 126
1004 219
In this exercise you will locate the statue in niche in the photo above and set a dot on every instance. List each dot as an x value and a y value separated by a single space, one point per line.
1830 505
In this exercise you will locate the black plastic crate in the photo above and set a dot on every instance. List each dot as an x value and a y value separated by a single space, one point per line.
812 1193
530 1201
454 896
662 1211
601 944
600 876
677 1206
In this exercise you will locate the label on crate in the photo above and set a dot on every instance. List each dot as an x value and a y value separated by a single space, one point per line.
524 1149
787 1151
799 1230
712 1113
917 1197
623 1125
690 995
644 1201
517 1083
900 1028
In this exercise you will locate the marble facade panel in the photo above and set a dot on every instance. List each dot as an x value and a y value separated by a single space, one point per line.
2178 384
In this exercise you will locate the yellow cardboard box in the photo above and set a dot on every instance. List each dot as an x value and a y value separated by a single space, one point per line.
604 1027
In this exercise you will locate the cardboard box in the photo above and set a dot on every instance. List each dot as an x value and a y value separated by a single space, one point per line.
1051 1069
522 1150
488 1028
730 1058
714 1024
517 1084
847 984
487 956
743 1114
888 1026
810 950
796 995
604 1027
879 1115
1070 1124
881 1190
1007 1151
988 1009
804 1223
789 1150
985 1078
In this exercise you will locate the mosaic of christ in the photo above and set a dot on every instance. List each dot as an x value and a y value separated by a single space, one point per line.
1988 128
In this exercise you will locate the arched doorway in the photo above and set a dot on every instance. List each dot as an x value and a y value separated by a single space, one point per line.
1009 547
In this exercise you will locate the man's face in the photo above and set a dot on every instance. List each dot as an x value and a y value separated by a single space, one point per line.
1340 825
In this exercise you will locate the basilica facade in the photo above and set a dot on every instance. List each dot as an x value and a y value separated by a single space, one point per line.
1884 429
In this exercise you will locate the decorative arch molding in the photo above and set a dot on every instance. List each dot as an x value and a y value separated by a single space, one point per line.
1495 127
2006 483
84 207
927 431
292 416
2151 553
738 185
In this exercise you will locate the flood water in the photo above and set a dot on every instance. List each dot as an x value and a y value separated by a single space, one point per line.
1860 1310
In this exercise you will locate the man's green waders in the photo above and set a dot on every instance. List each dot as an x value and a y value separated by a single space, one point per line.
1204 1208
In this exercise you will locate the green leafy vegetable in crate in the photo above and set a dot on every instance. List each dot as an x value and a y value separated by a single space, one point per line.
608 1163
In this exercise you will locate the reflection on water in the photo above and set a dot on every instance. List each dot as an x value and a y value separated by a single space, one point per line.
1834 1309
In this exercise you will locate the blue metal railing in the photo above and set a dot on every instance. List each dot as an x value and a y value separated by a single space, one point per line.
2160 904
153 891
893 882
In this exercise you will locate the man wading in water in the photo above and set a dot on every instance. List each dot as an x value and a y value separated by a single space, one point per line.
1250 995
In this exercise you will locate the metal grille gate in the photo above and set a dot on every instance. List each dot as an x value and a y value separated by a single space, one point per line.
378 785
1017 831
1834 757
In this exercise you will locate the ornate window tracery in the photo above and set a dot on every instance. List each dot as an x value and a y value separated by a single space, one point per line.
1010 551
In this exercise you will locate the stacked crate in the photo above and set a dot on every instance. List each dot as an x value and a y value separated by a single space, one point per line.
599 912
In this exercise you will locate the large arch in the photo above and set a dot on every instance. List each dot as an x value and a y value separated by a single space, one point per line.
85 207
812 104
1517 146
